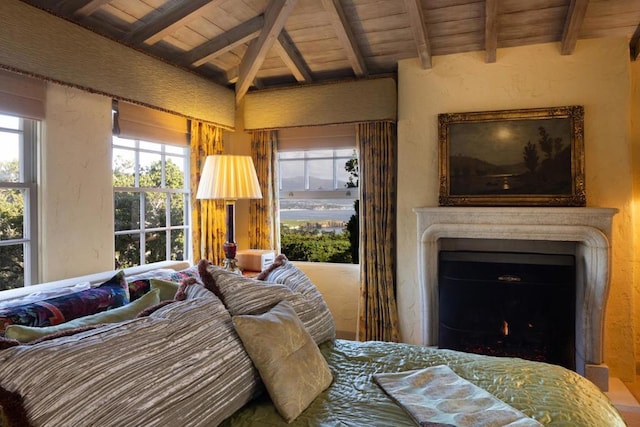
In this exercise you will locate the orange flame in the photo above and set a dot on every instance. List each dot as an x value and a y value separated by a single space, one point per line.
505 328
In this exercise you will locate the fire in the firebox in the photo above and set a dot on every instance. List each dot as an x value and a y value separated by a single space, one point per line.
480 311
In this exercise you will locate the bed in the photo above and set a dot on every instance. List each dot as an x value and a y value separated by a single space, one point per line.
211 355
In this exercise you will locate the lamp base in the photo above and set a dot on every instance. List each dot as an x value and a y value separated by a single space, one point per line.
229 264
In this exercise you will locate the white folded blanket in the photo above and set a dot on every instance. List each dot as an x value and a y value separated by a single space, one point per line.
437 396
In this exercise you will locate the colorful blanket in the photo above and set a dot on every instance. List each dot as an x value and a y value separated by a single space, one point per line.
437 396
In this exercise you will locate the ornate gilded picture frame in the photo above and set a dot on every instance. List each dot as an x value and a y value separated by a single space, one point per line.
532 157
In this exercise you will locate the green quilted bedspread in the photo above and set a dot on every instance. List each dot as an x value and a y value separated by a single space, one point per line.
551 394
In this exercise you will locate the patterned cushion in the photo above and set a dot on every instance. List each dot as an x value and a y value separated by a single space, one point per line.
140 284
46 294
244 295
126 312
110 294
290 363
182 365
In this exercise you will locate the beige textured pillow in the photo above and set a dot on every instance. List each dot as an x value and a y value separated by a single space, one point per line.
244 295
289 361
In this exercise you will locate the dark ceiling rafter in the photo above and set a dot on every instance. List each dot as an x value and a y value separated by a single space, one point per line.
573 23
634 44
225 42
419 29
491 30
345 35
168 22
291 57
79 8
89 8
275 16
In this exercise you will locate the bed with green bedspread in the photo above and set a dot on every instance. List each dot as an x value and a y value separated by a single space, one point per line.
550 394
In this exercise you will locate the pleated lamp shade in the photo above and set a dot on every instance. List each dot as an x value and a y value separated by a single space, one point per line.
229 177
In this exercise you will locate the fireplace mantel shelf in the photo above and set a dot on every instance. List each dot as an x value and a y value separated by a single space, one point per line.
587 229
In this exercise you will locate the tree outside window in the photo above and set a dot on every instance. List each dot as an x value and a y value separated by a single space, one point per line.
151 199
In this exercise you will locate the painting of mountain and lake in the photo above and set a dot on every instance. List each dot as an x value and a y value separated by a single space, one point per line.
518 157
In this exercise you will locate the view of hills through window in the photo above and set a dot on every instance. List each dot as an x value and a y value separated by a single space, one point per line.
318 201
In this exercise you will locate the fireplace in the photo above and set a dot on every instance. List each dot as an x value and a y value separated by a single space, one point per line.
508 304
584 233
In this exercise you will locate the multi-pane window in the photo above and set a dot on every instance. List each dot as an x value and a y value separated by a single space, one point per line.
18 201
151 198
318 194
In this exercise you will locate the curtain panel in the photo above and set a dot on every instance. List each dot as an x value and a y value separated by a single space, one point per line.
207 216
378 313
264 217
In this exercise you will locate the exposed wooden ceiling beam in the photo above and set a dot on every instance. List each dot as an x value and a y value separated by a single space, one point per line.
572 25
169 21
419 29
225 42
274 19
80 8
490 30
291 57
345 35
232 78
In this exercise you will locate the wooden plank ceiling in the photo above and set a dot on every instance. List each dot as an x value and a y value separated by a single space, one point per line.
265 43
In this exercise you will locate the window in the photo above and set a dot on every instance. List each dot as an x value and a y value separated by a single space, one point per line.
318 202
18 202
151 200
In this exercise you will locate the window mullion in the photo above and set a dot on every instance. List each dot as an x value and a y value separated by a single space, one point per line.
136 166
143 215
306 172
335 171
167 222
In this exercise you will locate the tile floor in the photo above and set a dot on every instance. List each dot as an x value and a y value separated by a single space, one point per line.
625 396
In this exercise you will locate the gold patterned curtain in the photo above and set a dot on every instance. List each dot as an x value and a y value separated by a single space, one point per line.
264 217
378 313
207 216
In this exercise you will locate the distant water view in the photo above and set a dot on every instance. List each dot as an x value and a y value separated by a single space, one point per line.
314 215
325 215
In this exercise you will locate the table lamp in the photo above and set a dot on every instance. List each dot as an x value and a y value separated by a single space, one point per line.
229 178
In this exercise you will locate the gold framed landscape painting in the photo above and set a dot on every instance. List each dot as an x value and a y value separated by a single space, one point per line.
528 157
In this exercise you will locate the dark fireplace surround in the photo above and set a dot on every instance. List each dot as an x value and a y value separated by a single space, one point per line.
583 234
516 304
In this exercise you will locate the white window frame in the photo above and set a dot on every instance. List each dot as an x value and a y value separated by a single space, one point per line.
29 131
351 193
185 191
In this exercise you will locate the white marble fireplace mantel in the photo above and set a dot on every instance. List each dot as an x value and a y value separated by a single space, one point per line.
584 232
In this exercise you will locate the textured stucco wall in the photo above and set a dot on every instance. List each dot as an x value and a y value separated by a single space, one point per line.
595 76
339 284
76 190
635 145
